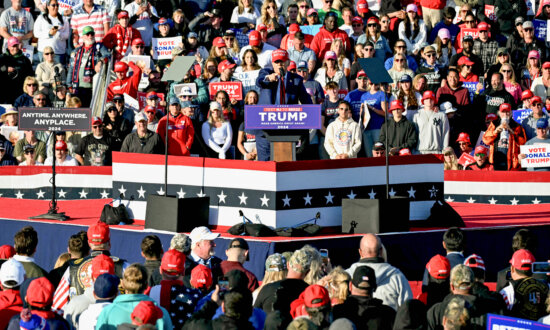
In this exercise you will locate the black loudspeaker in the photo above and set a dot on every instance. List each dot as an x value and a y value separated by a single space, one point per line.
176 214
361 216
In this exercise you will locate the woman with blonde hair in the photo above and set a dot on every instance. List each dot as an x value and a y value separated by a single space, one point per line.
30 87
275 270
216 131
210 70
444 47
275 24
245 15
331 72
343 62
317 269
233 48
338 285
450 160
510 82
399 69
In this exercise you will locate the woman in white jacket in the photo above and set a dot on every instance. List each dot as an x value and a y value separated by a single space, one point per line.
413 30
343 136
216 131
52 29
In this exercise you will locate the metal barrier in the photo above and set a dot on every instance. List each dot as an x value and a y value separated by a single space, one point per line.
99 93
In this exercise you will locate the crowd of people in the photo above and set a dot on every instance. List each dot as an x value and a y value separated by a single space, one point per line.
188 286
459 70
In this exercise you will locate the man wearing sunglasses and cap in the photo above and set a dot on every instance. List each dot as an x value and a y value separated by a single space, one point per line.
481 160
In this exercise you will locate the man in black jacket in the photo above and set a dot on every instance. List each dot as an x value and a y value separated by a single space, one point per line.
365 311
142 141
401 132
14 68
208 26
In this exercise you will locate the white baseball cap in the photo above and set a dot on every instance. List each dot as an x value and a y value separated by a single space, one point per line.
202 234
140 116
12 271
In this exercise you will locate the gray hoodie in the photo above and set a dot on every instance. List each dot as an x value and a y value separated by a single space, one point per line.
77 305
392 286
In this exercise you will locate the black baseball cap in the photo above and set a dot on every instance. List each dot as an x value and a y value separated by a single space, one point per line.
364 278
238 243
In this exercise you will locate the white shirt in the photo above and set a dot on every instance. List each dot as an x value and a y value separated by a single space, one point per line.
59 40
69 161
216 136
245 17
143 24
88 318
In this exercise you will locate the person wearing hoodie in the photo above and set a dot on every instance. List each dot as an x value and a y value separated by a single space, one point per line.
411 315
12 275
361 307
392 286
134 283
401 132
322 41
343 136
105 291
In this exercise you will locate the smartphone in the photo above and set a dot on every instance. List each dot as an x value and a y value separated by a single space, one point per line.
56 27
482 81
324 255
540 267
223 282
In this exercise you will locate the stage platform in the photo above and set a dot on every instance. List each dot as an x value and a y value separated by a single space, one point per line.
489 230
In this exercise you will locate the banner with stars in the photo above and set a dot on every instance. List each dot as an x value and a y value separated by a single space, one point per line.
73 182
276 194
497 187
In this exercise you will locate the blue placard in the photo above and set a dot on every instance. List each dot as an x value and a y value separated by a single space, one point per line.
540 29
310 29
471 87
496 322
288 116
242 38
520 114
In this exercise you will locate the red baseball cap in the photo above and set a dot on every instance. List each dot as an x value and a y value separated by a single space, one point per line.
536 99
279 55
219 42
254 38
546 65
316 296
373 19
291 66
480 150
474 261
173 262
482 26
138 41
150 109
225 64
357 20
491 117
6 251
261 27
121 67
439 267
163 21
293 28
505 107
526 94
102 264
465 60
522 260
201 276
463 137
40 293
146 312
361 74
396 104
122 14
362 7
96 121
405 152
151 95
428 95
99 233
60 145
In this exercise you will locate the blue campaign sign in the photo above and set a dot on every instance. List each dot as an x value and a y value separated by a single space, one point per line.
497 322
288 116
471 87
520 114
540 29
242 38
310 29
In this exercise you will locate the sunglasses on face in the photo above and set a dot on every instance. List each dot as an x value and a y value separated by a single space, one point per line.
139 46
369 49
304 6
112 110
400 47
430 55
480 155
399 60
32 85
54 5
506 71
528 30
40 100
483 31
48 54
470 22
372 25
90 34
29 152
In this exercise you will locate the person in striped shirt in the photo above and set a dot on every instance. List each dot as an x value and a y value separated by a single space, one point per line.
89 14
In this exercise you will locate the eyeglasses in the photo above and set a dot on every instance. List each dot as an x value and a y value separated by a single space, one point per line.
401 47
304 6
32 85
430 55
112 110
48 54
372 25
480 155
96 126
399 60
500 55
139 46
54 5
361 78
483 31
469 22
506 71
90 34
29 152
528 30
229 38
468 66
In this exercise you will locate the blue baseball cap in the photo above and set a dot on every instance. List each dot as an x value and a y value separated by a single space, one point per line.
186 104
302 65
174 100
542 123
192 35
405 78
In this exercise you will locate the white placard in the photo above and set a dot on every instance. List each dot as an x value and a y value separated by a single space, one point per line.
537 155
131 103
146 59
28 51
179 87
162 47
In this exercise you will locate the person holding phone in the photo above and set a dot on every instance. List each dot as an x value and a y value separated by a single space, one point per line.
52 30
142 16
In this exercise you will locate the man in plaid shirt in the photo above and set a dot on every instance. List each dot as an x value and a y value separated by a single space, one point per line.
485 47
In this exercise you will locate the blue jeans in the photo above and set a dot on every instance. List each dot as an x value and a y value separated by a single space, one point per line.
370 136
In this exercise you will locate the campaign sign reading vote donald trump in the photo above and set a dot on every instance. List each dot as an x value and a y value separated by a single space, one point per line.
288 116
537 155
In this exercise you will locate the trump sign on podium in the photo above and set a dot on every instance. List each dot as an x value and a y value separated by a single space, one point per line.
288 116
537 155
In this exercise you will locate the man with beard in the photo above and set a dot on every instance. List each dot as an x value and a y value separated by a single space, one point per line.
86 61
491 99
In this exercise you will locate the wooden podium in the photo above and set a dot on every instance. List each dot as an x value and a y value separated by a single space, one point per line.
283 147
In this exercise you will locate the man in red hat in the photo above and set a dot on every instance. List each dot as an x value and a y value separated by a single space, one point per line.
260 47
433 126
485 47
504 136
464 143
124 84
181 132
172 294
95 149
78 276
401 132
529 124
61 156
525 296
364 11
481 160
526 96
121 36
